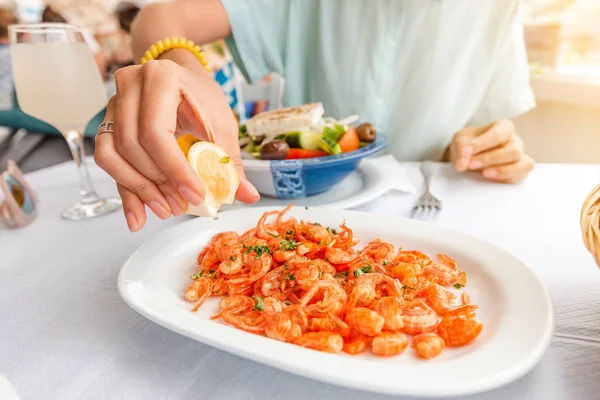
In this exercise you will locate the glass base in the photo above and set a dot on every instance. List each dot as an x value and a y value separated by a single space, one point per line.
94 209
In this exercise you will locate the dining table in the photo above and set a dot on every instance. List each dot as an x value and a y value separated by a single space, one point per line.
65 333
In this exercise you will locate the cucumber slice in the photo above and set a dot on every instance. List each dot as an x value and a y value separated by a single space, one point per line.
249 148
303 140
334 133
329 146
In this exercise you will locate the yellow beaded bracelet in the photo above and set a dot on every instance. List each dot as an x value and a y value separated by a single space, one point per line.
164 45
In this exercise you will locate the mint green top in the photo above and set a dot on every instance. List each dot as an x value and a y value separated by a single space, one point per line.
420 70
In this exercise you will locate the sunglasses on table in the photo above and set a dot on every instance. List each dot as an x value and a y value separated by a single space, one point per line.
19 207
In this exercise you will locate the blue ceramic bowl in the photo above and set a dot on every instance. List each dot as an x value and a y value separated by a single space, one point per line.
292 179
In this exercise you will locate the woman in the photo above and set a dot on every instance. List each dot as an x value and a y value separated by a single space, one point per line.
442 78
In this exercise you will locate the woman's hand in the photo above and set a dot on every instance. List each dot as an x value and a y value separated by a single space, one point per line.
154 104
496 150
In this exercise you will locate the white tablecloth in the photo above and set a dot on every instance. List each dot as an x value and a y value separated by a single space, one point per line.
65 333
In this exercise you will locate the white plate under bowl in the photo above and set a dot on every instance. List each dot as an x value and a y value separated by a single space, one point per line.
515 307
374 177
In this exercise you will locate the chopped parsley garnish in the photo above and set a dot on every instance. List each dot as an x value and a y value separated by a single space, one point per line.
291 232
289 277
358 272
273 235
260 304
458 286
259 250
404 287
197 276
333 231
232 258
287 266
385 263
367 268
317 224
288 245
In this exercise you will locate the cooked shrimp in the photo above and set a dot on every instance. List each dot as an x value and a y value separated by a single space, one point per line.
428 345
329 323
274 284
243 322
279 276
389 343
264 231
279 326
332 294
413 257
298 316
234 304
306 275
316 233
198 291
440 299
459 326
381 251
365 321
310 250
418 317
323 341
380 283
245 289
356 345
445 273
390 308
337 256
344 239
465 298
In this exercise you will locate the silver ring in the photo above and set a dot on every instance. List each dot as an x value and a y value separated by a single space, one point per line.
105 127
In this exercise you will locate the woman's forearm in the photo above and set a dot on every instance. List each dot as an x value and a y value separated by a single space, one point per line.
201 21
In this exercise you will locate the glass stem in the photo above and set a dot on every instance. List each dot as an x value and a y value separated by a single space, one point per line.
87 193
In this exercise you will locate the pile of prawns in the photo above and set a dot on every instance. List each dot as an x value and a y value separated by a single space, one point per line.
302 283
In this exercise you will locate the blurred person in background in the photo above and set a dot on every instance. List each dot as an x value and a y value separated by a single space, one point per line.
438 90
123 55
49 15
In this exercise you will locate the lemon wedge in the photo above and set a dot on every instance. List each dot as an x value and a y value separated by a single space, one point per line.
186 141
218 174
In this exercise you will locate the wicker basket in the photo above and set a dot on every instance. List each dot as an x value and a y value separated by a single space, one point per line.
590 223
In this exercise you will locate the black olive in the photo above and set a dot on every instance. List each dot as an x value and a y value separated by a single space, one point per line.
274 150
366 132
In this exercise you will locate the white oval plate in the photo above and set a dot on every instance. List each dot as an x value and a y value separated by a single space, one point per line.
514 307
374 177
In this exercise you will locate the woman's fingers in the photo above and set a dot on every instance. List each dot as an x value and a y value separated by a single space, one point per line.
133 208
161 95
122 172
472 141
126 138
498 134
507 154
510 173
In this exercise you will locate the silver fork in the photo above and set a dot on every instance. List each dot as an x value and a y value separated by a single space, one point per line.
428 206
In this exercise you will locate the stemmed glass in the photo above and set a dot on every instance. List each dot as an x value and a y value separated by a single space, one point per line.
58 82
